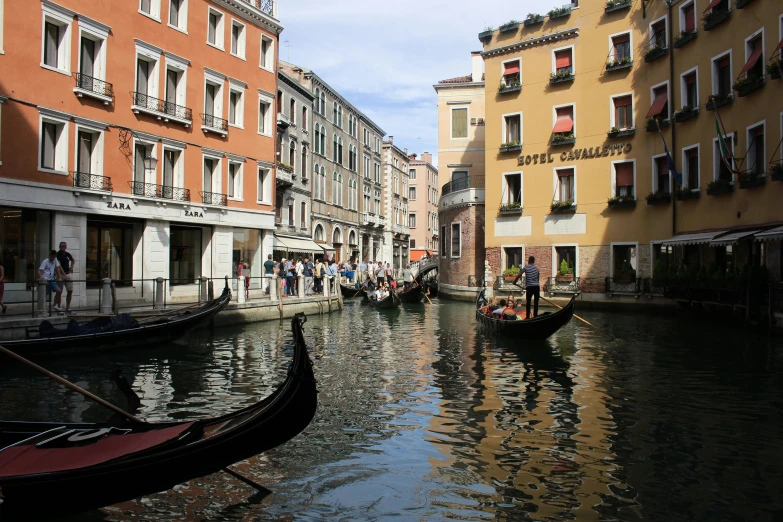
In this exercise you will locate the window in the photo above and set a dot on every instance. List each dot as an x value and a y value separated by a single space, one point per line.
334 113
565 258
717 6
322 182
624 174
690 163
412 174
56 45
412 193
215 28
291 215
178 14
150 8
267 59
411 243
212 172
185 255
624 259
352 157
337 189
723 169
512 129
292 154
660 102
317 184
513 257
323 103
303 123
661 175
367 207
565 185
340 116
512 73
621 47
89 153
443 241
688 17
92 60
303 215
754 54
512 189
213 100
564 62
303 163
109 252
623 112
235 180
459 123
690 89
377 169
456 240
238 39
318 234
236 107
141 175
173 171
53 142
264 115
721 75
756 161
658 34
564 121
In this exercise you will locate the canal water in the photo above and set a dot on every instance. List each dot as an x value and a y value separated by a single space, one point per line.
424 417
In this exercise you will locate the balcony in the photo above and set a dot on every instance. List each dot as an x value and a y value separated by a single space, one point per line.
369 219
619 64
150 190
284 174
752 179
559 12
283 121
562 138
268 7
400 229
214 198
622 202
469 182
562 76
616 132
381 221
685 113
659 198
533 19
211 123
511 146
616 5
85 180
94 88
684 38
748 84
161 109
714 18
776 170
715 101
653 124
656 50
562 207
512 86
719 186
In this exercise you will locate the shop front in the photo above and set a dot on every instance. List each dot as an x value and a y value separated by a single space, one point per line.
25 241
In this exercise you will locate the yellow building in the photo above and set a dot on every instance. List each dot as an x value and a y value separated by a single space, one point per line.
576 170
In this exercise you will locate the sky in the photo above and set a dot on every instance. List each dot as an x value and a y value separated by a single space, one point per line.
384 57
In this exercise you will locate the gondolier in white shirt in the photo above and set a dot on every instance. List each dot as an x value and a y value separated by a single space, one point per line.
532 287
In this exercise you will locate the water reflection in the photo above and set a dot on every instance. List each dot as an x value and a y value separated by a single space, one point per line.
424 417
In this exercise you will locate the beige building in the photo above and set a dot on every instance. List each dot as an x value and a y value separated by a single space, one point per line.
461 127
395 184
423 194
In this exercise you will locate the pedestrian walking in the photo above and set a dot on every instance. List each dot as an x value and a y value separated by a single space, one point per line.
269 271
308 269
50 272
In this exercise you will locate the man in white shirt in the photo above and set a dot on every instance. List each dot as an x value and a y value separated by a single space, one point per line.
50 271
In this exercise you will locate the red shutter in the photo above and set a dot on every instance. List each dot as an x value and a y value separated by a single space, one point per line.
565 120
511 68
622 101
754 57
690 79
621 38
690 21
723 61
662 164
658 104
658 26
562 59
562 173
624 173
713 4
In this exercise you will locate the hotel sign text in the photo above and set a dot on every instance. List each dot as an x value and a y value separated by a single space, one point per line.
575 154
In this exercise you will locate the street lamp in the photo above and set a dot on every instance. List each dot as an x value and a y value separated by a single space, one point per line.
290 200
150 162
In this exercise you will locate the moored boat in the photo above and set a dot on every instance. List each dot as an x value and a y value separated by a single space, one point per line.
392 301
350 292
540 327
54 469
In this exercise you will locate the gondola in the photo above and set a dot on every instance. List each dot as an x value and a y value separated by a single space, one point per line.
50 470
413 295
117 332
350 291
539 327
392 301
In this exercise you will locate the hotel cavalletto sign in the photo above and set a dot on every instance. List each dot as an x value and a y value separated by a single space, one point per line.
576 154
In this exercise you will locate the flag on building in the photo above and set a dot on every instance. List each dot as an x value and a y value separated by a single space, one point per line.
669 161
725 153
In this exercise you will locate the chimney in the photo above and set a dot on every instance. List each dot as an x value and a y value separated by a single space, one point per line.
426 157
412 157
477 63
405 151
391 140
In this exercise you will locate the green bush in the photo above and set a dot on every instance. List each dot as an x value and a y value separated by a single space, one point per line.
513 271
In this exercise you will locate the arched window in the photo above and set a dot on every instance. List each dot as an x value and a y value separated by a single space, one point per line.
304 162
334 148
292 154
340 116
334 113
352 238
335 190
323 104
323 140
317 131
339 150
318 233
337 236
317 185
323 182
315 100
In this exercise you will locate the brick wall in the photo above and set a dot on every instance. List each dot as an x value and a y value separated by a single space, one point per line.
468 269
543 255
493 258
594 267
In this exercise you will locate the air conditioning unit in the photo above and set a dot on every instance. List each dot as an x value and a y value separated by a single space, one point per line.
480 121
473 121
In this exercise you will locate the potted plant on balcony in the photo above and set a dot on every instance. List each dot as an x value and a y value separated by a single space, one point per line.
509 86
562 76
683 38
562 206
684 194
566 273
511 25
748 84
622 202
511 208
686 112
510 146
486 34
776 171
559 12
563 138
752 178
714 18
616 64
718 100
510 274
653 124
773 69
719 186
285 166
654 52
658 198
533 19
616 5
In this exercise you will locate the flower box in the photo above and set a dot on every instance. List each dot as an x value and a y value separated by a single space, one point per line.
533 19
622 202
509 278
748 84
687 194
510 147
652 126
513 25
776 171
514 87
684 38
773 69
718 187
564 278
718 100
486 34
658 198
566 138
742 3
714 18
619 65
616 5
620 133
560 12
750 180
685 114
653 53
562 206
514 208
285 167
561 78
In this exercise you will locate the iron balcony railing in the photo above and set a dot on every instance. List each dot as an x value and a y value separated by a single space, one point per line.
94 85
472 181
151 190
266 6
213 122
214 198
154 104
86 180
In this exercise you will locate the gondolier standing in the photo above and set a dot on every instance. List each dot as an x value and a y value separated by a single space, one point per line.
532 287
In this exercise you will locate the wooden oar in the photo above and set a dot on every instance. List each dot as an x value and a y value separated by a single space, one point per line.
70 385
427 295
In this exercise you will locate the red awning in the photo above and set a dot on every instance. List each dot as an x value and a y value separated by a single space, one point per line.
562 59
511 68
564 173
691 78
624 174
657 105
754 57
780 45
565 122
714 3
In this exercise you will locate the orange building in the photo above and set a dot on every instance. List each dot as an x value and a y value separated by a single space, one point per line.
140 132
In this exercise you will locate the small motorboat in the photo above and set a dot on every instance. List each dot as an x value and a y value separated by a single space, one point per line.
50 470
540 327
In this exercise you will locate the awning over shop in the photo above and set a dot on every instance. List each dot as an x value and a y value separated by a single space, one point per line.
296 244
771 234
693 239
732 238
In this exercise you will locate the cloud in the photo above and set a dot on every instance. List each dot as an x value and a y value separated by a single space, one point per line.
384 57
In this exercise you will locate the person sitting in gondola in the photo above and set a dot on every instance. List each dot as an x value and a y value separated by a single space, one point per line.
384 293
498 310
508 312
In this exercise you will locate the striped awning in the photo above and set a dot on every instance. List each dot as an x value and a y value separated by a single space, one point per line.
732 238
693 239
771 234
296 244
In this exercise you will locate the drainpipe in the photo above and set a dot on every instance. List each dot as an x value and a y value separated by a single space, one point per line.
672 126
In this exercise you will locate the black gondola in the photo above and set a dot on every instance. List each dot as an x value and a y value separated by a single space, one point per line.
118 332
392 301
49 470
539 327
413 295
350 291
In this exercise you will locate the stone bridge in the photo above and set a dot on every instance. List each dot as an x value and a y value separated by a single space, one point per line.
423 266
